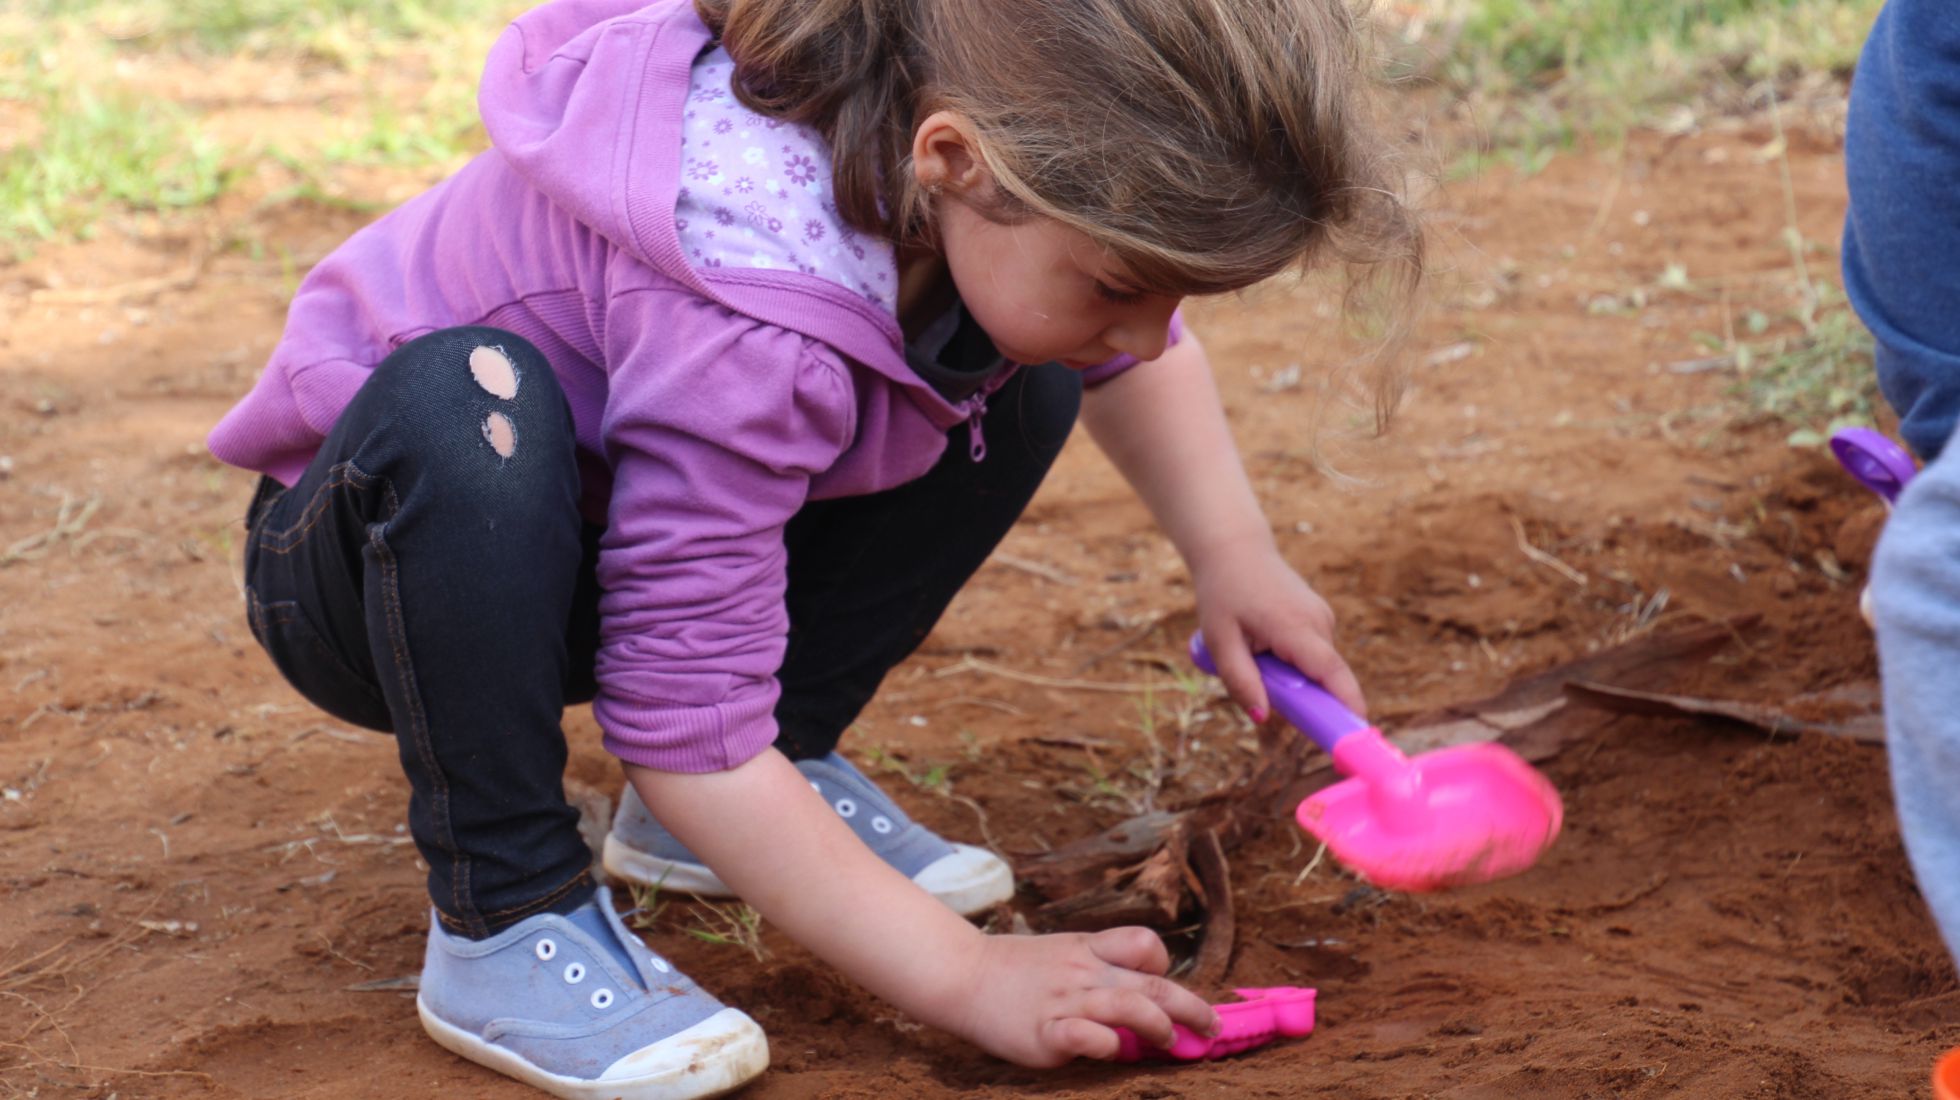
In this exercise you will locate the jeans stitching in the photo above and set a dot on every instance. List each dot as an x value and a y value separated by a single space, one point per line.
255 614
284 541
567 887
418 722
527 909
283 612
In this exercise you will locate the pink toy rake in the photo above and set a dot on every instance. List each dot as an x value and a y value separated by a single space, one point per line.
1465 814
1264 1015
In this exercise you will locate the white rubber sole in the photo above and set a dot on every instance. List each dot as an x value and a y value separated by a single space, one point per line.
632 865
971 880
714 1057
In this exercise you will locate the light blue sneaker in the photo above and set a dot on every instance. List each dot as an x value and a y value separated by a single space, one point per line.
968 879
547 1002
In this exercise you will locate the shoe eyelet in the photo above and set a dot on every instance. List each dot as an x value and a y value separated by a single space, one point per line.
814 787
574 973
846 808
602 998
881 824
546 950
660 964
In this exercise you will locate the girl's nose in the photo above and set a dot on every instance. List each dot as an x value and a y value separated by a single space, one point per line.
1141 336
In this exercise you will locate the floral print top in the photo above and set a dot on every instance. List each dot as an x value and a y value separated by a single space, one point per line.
755 193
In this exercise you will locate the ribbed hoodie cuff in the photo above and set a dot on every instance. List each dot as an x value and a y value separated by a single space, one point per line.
687 739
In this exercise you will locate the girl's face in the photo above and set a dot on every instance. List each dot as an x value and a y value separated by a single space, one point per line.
1044 292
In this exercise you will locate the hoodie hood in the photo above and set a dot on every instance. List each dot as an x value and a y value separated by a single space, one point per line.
585 100
572 96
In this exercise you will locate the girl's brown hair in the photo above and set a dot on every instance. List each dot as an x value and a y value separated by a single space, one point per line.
1206 144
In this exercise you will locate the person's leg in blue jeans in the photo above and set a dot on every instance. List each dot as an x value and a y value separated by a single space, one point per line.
1902 273
1916 609
418 579
429 575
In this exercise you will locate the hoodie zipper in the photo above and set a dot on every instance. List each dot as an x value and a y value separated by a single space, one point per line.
976 407
976 436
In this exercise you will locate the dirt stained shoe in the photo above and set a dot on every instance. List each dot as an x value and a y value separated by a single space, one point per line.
579 1007
968 879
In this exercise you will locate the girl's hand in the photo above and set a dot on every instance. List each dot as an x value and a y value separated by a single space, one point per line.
1250 601
1040 1001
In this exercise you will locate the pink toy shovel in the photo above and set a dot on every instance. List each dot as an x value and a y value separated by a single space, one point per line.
1470 813
1263 1015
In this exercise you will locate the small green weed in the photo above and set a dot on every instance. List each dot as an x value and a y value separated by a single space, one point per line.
647 906
932 777
1817 382
734 925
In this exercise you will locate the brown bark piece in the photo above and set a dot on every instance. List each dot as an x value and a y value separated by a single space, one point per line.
1221 924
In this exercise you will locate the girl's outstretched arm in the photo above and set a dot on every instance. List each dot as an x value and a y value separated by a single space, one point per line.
1163 426
1034 1000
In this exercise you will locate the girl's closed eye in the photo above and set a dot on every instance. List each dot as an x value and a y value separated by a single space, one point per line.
1117 297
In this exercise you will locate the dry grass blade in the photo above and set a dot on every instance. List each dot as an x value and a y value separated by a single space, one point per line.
734 925
68 965
988 668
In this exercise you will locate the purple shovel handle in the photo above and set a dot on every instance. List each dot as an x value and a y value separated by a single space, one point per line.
1879 464
1298 699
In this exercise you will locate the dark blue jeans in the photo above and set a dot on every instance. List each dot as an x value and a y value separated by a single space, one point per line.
416 581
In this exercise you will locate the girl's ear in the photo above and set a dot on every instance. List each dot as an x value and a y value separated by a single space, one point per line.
943 155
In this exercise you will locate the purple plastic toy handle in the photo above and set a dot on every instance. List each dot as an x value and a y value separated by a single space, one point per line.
1298 699
1879 464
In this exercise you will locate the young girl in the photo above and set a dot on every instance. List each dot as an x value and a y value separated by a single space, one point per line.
650 405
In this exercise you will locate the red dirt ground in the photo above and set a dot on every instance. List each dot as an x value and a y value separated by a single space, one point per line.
196 867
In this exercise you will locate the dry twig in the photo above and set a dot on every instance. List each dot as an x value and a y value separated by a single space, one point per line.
1040 569
1542 558
68 524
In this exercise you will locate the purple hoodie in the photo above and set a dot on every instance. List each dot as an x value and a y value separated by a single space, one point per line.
709 403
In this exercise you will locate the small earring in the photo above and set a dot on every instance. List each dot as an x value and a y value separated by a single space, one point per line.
933 189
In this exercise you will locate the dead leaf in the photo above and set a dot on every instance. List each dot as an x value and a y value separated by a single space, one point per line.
1867 725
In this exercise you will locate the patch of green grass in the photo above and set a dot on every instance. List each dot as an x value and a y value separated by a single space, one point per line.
444 127
86 130
98 147
331 30
1544 71
1535 41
